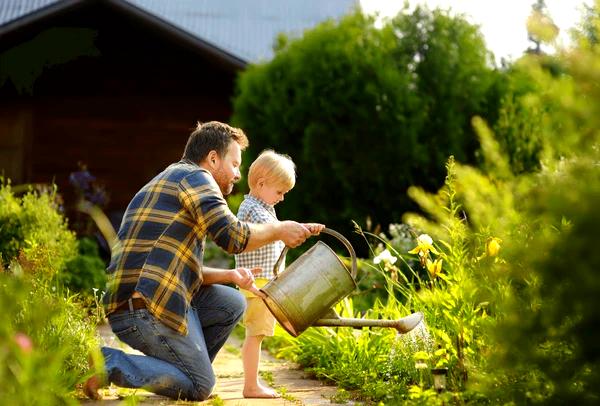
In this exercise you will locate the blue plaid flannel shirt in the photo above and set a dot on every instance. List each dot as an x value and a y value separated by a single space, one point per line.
161 242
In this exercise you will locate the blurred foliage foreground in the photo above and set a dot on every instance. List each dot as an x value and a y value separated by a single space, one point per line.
503 264
47 332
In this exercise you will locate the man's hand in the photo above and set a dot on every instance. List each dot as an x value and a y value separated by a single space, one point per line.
293 233
244 278
314 228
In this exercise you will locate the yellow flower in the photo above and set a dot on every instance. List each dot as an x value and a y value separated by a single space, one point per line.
434 268
492 246
424 246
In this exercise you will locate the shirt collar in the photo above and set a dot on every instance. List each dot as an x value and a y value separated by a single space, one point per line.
259 202
187 162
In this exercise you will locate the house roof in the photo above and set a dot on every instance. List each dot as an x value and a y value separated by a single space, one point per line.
240 30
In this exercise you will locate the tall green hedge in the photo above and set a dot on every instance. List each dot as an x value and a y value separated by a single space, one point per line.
365 112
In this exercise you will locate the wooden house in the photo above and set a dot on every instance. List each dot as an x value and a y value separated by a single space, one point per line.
117 85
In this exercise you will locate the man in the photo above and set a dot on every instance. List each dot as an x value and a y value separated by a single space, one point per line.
161 300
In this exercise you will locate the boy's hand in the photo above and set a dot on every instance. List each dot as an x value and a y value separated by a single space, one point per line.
257 292
244 278
314 228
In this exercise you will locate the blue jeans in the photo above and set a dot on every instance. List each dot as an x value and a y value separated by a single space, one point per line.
174 365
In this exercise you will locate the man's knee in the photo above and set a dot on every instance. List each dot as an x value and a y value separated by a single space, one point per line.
203 389
234 301
239 304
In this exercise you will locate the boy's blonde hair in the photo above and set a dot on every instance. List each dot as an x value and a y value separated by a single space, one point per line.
274 168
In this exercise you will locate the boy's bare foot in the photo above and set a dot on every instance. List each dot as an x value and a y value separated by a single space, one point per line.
260 391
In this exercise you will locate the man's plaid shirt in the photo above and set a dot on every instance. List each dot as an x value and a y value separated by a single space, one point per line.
254 210
161 242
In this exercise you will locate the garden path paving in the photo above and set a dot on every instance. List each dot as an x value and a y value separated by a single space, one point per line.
297 388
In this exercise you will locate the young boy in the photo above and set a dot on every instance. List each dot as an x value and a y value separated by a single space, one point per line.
270 177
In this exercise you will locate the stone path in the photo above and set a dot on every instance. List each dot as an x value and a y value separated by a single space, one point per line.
296 388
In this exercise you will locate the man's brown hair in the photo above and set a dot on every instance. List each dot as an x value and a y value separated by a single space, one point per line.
210 136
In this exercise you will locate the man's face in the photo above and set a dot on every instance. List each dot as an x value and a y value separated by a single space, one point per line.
227 172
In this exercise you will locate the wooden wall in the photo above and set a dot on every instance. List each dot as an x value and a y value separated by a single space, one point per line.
15 142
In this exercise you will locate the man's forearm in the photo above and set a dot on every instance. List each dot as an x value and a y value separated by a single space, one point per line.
242 277
215 275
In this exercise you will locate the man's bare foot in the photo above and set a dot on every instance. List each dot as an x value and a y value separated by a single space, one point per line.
91 387
260 391
94 382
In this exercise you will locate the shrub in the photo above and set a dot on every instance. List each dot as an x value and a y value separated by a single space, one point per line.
35 237
11 232
518 131
552 349
86 271
33 230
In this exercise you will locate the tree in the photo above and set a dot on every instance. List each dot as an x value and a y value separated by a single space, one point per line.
540 27
366 112
591 15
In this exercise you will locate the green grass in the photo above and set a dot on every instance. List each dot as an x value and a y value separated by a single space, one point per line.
233 350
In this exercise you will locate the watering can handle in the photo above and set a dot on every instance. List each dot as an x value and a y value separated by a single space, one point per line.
336 235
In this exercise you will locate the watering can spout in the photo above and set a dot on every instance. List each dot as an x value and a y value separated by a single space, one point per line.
403 325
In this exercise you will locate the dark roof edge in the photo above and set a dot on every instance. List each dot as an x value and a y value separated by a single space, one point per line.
39 14
226 58
180 34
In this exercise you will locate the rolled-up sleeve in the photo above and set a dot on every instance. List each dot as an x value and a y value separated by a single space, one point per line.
202 199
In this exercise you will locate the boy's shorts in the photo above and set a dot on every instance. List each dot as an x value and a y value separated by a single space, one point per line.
258 320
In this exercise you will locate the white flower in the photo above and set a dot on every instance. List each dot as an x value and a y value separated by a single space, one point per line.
424 239
385 256
420 365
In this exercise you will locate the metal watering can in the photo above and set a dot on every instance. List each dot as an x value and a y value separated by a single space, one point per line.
302 296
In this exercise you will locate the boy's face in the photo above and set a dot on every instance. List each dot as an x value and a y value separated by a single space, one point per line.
271 193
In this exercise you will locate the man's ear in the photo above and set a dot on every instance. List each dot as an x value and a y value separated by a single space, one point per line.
212 159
